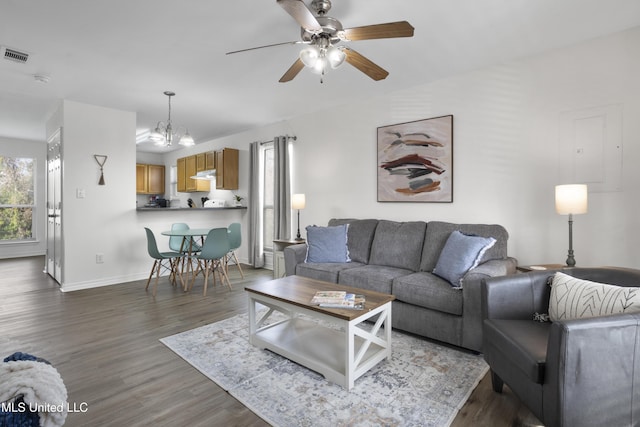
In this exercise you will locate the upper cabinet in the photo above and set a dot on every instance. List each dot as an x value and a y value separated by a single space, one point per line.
149 179
224 161
190 169
227 169
209 160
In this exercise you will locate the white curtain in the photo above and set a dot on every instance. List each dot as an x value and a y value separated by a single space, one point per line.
282 189
256 246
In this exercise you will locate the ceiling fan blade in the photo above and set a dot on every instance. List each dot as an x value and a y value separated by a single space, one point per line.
292 72
262 47
379 31
301 13
366 66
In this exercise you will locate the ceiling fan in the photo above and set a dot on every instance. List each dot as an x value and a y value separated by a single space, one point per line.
323 34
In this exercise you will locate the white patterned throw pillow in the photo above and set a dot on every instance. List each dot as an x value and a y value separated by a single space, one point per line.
573 298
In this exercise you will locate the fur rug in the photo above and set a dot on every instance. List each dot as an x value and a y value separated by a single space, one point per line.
40 385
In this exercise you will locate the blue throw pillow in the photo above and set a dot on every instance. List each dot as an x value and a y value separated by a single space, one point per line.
327 244
460 254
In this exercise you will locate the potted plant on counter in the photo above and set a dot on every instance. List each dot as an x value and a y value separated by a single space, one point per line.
237 200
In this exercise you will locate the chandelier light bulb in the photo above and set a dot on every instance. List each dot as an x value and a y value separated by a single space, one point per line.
187 140
157 136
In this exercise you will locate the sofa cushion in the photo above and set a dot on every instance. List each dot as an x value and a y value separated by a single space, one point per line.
438 232
398 244
327 244
521 343
359 237
327 272
428 290
372 277
573 298
460 254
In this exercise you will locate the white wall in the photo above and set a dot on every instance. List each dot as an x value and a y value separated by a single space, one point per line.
506 163
506 143
37 150
506 151
102 221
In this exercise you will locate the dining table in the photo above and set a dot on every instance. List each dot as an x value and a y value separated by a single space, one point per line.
188 237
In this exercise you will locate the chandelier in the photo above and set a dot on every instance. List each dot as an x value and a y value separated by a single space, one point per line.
164 134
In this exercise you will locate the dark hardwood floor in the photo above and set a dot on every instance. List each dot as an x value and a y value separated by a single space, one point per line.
105 344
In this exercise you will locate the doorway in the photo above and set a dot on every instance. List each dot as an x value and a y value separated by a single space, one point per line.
54 206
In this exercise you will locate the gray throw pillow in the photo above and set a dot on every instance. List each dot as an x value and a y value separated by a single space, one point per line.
327 244
460 254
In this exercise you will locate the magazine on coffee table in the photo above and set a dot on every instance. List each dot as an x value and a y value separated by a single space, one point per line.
328 297
338 299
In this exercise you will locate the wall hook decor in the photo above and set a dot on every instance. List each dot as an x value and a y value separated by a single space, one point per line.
101 161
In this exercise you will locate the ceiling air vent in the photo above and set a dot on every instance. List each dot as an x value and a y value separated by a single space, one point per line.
14 55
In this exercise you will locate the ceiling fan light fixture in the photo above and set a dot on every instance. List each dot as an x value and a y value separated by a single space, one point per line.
309 56
335 56
320 67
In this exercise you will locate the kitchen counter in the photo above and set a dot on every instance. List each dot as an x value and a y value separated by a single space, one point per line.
189 209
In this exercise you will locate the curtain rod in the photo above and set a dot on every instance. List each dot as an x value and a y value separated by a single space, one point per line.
288 138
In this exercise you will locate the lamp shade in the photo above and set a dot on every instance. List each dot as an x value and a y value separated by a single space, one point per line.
298 201
571 199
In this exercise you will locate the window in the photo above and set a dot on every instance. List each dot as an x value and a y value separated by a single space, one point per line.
17 198
267 216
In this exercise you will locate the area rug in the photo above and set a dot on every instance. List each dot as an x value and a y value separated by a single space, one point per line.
423 384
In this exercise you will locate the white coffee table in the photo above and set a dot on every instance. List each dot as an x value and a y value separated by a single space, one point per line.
340 354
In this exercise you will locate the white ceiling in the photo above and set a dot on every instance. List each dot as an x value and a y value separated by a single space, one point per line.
124 54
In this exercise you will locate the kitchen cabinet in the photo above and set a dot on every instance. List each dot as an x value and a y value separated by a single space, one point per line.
209 160
155 174
227 169
190 170
188 167
142 183
224 161
149 179
200 162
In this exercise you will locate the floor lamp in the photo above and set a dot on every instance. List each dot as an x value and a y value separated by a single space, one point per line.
571 200
298 202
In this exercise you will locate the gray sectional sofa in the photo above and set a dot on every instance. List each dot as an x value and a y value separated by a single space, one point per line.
398 258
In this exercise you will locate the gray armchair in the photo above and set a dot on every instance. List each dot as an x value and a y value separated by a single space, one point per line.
582 372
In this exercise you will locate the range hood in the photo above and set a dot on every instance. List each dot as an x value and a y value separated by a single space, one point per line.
208 174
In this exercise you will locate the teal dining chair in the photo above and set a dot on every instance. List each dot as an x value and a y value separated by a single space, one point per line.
235 240
212 256
176 243
158 263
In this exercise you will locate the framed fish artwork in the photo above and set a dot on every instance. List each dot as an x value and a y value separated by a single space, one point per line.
415 161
